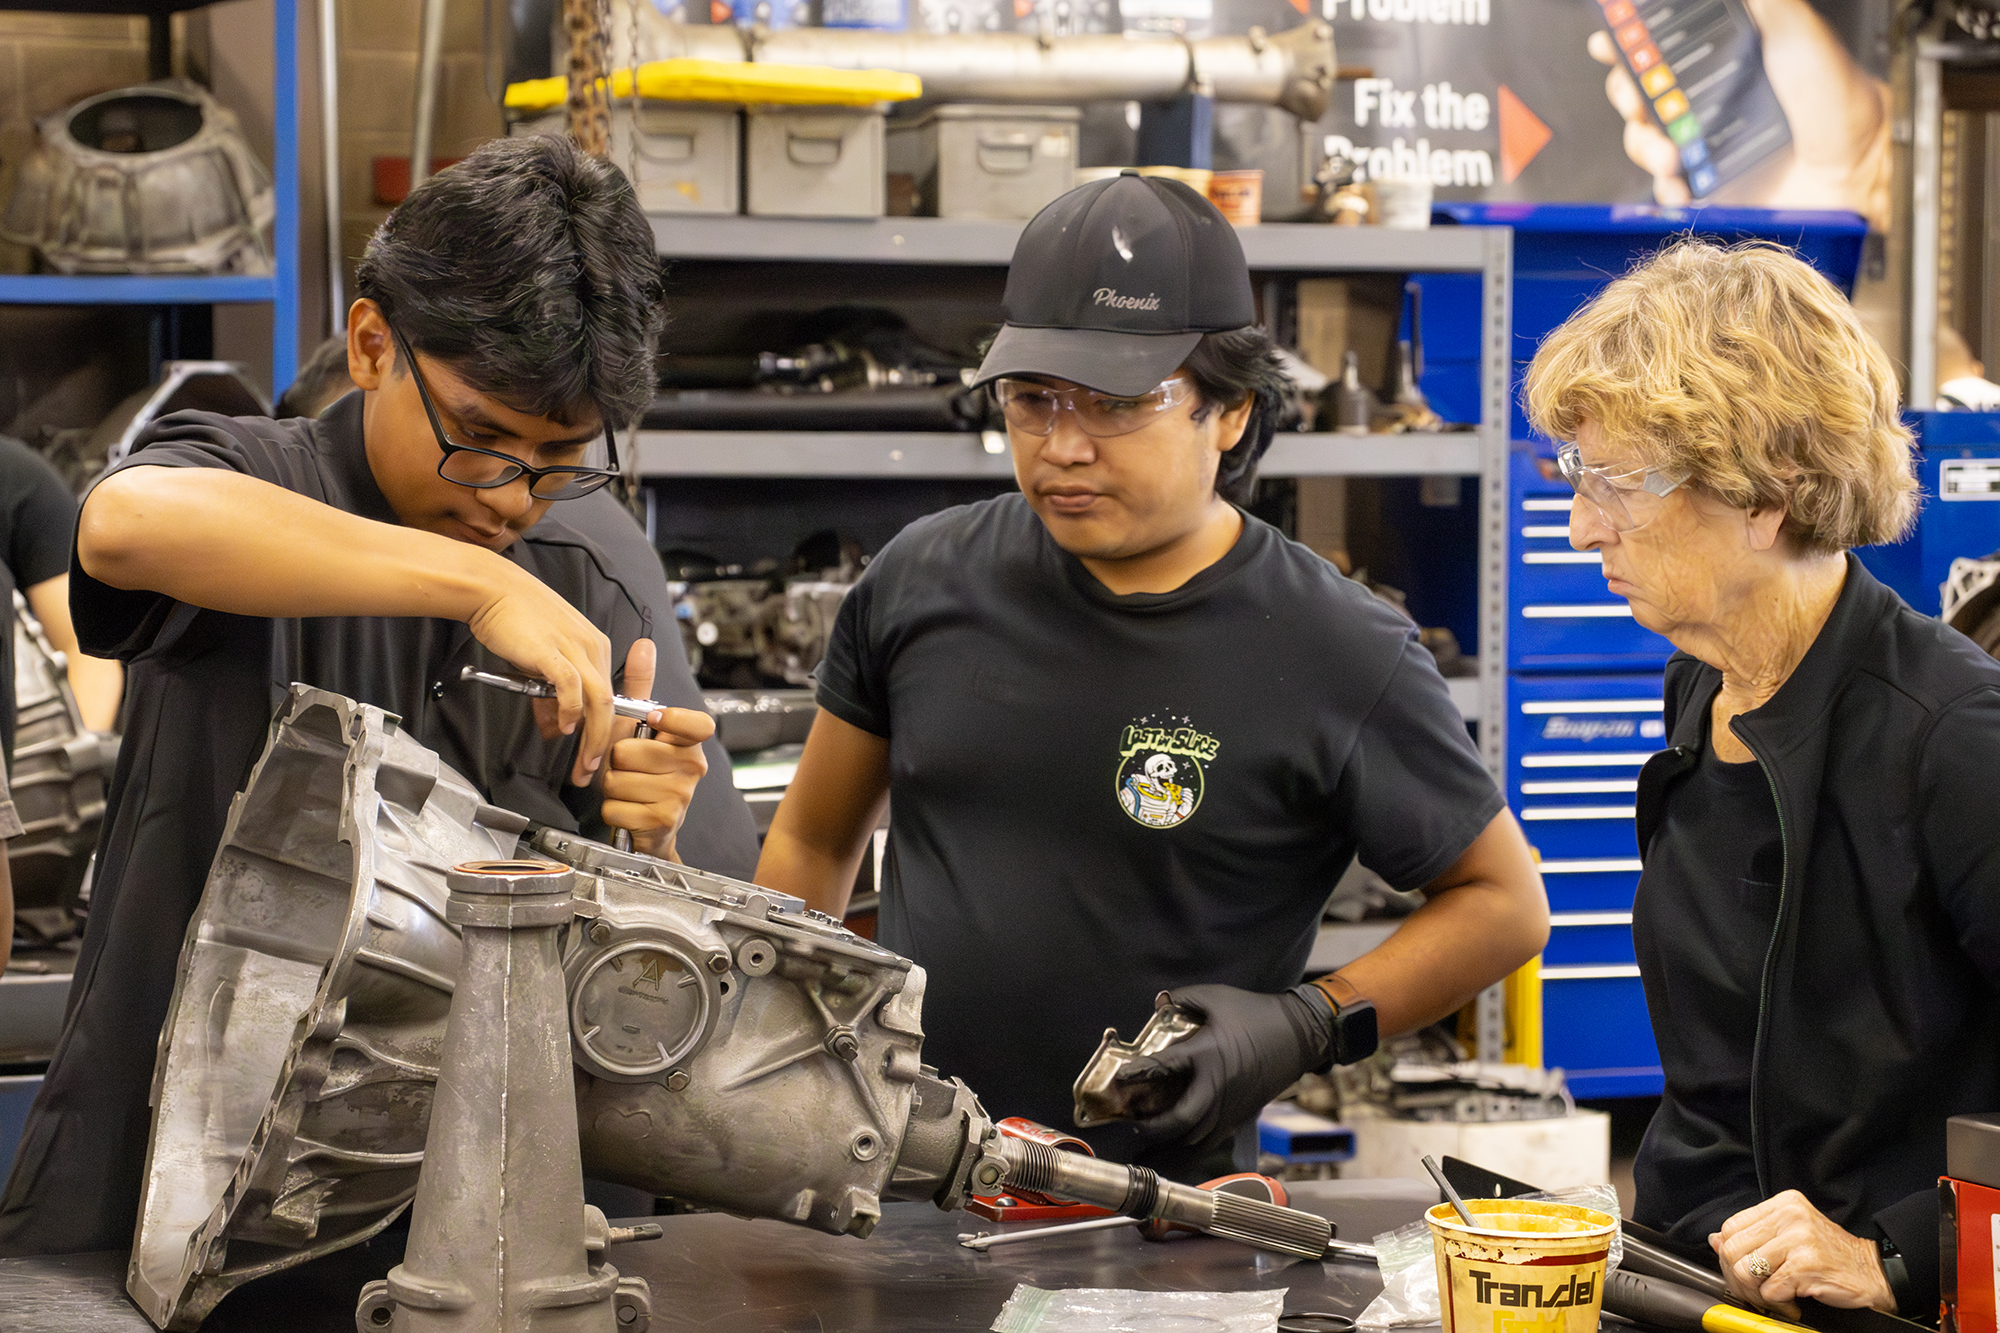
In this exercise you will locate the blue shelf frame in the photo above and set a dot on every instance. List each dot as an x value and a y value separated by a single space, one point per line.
280 288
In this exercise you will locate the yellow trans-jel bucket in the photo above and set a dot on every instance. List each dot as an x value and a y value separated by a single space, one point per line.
1525 1267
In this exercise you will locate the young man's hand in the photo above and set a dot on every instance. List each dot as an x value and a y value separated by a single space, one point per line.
527 623
1250 1047
649 782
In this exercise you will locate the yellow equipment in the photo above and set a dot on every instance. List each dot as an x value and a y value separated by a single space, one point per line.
717 81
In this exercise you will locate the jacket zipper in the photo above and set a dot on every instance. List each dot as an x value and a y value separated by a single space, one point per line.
1770 953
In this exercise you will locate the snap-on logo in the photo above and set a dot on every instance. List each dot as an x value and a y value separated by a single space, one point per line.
1576 1291
1561 728
1106 296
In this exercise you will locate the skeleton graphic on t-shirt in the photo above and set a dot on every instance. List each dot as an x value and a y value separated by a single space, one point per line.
1153 797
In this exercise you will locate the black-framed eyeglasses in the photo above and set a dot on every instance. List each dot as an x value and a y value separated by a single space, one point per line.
485 469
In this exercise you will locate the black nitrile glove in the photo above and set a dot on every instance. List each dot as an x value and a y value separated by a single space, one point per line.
1250 1048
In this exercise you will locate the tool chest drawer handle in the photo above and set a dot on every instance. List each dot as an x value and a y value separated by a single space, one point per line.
812 150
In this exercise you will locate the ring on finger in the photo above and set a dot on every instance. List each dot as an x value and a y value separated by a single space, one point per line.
1759 1266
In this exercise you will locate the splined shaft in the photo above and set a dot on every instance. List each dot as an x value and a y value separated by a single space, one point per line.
1135 1191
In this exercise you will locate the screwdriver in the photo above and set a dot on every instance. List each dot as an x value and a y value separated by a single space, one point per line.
621 706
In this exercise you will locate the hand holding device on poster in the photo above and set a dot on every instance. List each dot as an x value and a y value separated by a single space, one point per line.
1749 101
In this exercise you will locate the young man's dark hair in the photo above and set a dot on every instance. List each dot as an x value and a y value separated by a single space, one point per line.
527 269
1227 367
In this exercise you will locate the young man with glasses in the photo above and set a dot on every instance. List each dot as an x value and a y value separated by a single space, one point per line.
508 314
1134 735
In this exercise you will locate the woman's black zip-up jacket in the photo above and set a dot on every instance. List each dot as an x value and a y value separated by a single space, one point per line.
1880 1012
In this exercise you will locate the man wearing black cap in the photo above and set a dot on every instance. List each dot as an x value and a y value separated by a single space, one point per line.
1132 733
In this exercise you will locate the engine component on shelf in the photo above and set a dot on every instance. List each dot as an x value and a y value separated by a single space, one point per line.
1101 1098
60 771
1477 1091
499 1228
747 631
1971 600
151 179
297 1068
802 628
1293 69
722 618
747 720
80 453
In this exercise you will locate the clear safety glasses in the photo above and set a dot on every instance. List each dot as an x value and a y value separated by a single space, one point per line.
1623 504
1031 408
485 469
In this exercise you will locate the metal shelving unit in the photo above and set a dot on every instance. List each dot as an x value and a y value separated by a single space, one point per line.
964 455
280 288
1273 251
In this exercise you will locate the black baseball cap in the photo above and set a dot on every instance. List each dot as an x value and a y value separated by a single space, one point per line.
1114 283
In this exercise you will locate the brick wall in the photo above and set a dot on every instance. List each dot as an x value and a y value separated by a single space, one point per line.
378 64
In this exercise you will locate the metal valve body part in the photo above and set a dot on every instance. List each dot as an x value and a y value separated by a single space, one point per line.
727 1046
497 1232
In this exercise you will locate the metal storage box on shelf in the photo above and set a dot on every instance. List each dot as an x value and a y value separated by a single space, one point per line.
976 161
689 153
1563 617
815 162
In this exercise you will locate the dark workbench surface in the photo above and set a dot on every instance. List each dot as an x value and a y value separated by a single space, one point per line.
725 1275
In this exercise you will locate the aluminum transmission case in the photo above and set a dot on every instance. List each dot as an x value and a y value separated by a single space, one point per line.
731 1048
152 179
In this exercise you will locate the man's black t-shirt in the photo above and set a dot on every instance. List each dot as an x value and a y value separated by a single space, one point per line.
1096 797
201 686
1701 923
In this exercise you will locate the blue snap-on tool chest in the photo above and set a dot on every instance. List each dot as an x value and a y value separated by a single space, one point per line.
1583 676
1575 744
1561 617
1958 464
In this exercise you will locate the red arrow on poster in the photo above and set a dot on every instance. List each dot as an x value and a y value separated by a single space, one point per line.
1522 135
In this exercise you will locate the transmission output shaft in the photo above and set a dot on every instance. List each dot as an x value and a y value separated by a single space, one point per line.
1136 1191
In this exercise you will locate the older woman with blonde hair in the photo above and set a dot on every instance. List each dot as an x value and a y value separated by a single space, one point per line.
1818 920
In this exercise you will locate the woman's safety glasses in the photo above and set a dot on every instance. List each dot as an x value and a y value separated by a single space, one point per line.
1031 408
486 469
1623 502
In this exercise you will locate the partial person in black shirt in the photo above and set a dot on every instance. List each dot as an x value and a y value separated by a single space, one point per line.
1133 734
508 313
37 516
37 521
1818 920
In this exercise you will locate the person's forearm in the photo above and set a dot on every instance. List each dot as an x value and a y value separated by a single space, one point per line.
1484 919
824 877
99 685
6 914
228 542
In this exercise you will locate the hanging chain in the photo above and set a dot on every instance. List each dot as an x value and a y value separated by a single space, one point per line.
584 21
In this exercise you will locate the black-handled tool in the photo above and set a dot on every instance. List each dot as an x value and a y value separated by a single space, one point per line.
1668 1305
